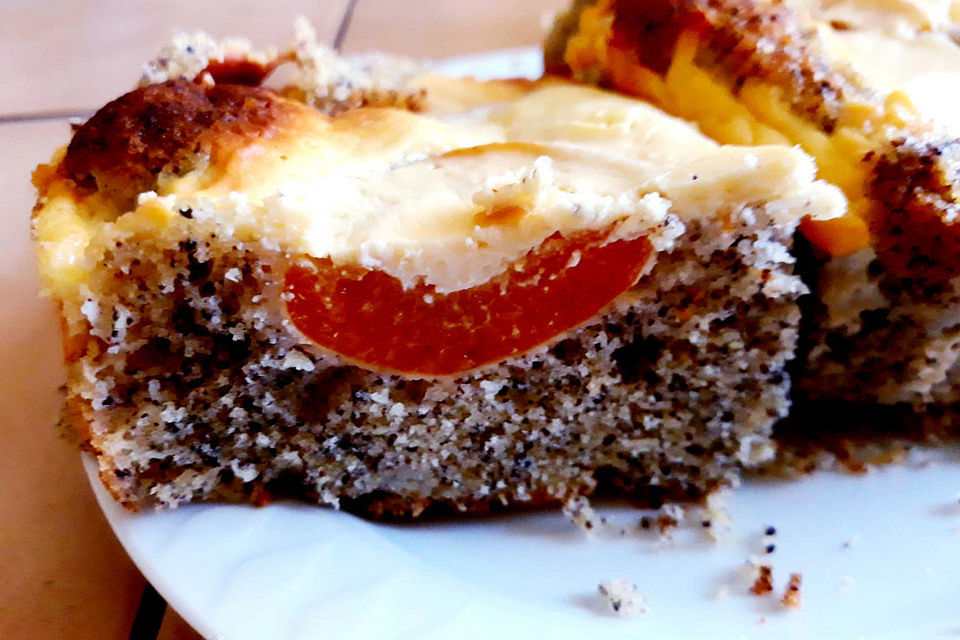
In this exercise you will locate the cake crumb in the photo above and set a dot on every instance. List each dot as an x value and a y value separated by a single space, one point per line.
666 524
715 519
849 542
579 511
764 582
673 511
622 597
791 595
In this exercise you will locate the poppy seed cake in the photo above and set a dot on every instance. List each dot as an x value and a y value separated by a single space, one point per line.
243 274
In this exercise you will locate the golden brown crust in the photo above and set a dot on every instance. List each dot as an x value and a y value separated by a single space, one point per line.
915 234
167 128
741 39
747 38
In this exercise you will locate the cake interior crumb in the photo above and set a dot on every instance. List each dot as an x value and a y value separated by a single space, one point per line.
622 597
791 595
764 581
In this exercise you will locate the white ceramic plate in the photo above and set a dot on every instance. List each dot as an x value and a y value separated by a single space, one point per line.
879 554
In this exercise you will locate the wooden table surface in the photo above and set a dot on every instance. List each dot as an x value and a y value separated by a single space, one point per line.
64 575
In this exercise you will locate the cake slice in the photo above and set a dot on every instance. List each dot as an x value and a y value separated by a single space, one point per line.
869 89
471 294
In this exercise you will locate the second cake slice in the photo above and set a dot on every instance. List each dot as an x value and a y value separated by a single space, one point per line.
867 88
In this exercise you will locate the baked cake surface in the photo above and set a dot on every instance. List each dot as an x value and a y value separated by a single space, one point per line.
867 88
449 293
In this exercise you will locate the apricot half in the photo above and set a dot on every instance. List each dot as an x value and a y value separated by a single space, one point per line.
369 318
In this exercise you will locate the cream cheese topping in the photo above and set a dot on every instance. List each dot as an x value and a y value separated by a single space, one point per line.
422 196
898 45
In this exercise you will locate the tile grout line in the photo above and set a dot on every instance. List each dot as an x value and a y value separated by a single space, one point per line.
40 116
344 25
149 617
67 114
